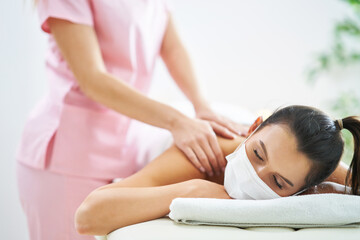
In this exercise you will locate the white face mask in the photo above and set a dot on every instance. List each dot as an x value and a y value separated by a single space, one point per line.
241 180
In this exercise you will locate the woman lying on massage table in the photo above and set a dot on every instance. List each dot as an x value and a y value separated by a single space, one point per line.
296 149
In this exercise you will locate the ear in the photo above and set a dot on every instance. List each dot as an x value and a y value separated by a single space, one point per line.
257 122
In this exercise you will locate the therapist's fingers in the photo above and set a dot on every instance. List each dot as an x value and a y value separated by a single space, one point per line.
192 157
221 121
221 130
203 159
219 155
198 135
240 129
233 127
210 152
228 124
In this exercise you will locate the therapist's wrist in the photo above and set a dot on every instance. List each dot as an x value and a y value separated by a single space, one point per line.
200 104
175 120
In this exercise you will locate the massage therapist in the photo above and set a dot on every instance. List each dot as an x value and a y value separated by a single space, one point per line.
100 61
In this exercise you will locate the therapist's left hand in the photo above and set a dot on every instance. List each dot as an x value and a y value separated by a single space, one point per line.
220 124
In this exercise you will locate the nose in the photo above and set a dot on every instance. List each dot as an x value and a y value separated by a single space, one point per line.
262 171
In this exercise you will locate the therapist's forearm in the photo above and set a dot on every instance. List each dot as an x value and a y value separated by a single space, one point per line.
179 65
180 68
119 96
79 46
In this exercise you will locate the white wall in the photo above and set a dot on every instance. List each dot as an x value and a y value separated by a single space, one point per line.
251 53
255 52
22 82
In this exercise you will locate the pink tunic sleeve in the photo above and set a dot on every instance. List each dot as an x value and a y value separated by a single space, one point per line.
76 11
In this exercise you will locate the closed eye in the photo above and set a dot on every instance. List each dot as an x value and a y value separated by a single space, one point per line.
257 155
277 183
275 180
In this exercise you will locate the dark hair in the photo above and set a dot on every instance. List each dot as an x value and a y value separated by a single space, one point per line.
319 138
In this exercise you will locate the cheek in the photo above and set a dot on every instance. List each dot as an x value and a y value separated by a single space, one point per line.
263 171
286 193
298 171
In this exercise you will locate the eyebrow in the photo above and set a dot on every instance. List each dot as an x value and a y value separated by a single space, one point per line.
264 149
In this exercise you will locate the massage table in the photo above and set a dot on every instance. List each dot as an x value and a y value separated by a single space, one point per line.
166 229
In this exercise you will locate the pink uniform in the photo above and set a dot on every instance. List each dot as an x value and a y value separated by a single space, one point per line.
88 140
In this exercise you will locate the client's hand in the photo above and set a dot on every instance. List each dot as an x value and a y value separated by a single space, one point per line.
206 189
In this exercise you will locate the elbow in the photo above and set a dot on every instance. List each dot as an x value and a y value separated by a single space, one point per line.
87 82
87 217
83 223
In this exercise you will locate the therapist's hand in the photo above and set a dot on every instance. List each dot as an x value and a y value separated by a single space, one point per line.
220 124
197 140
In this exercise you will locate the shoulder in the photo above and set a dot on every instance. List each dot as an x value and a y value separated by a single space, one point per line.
327 187
172 166
229 145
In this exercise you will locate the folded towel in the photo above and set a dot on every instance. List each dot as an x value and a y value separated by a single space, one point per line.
316 210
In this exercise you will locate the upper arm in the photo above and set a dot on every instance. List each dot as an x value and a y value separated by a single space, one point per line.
171 40
79 46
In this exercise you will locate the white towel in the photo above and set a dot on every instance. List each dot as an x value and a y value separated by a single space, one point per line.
316 210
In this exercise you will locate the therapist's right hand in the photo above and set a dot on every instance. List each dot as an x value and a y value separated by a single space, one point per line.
197 140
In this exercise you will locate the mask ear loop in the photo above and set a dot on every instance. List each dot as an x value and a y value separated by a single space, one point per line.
301 191
247 138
